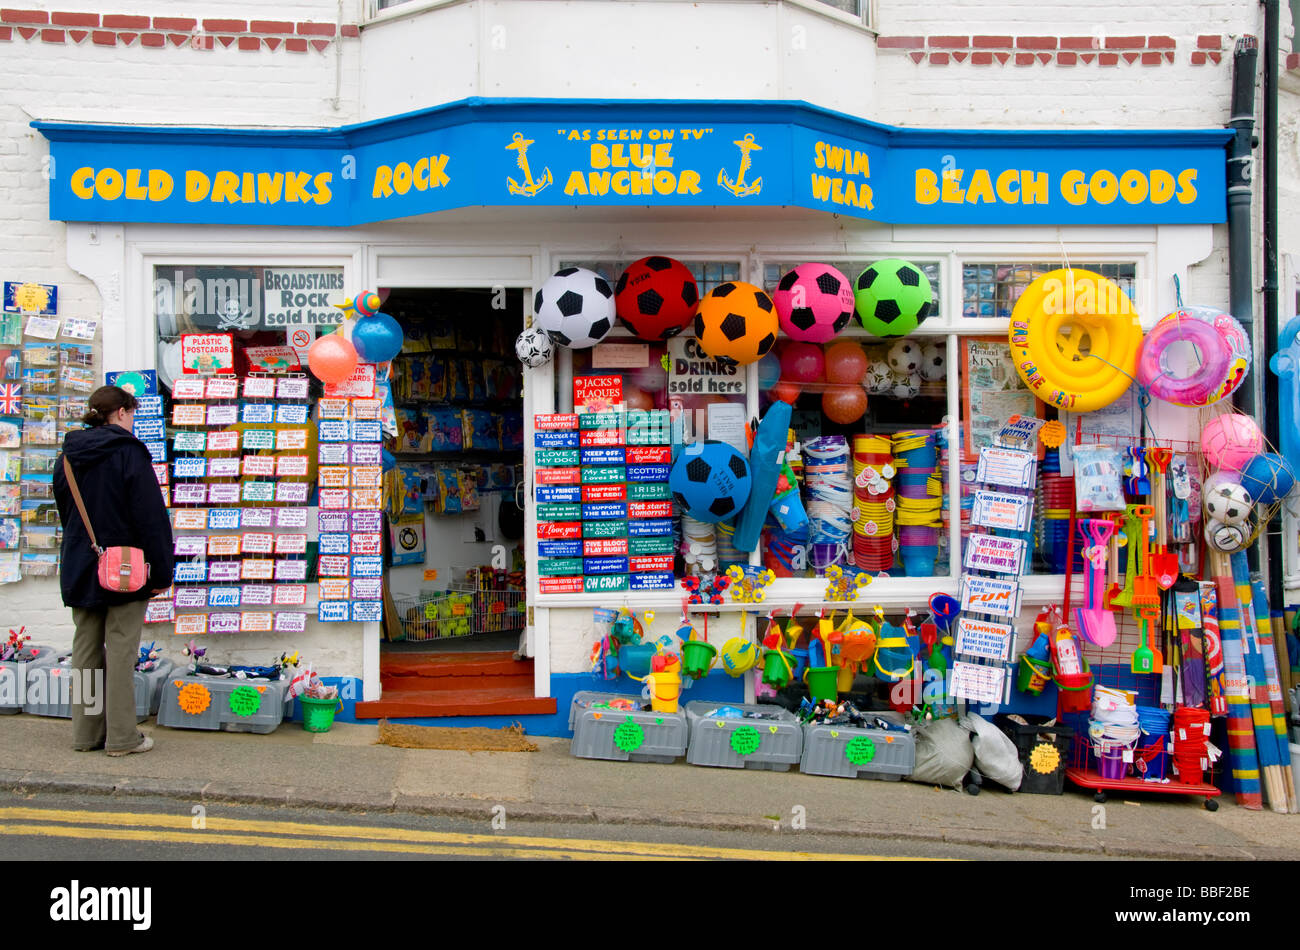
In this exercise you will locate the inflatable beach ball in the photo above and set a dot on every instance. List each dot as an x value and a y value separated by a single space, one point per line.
892 297
576 307
1230 441
737 322
656 297
813 303
1268 478
710 481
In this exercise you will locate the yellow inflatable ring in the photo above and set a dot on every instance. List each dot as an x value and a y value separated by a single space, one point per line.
1049 325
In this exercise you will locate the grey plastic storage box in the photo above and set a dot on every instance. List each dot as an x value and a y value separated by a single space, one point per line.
196 701
850 752
49 690
14 675
623 736
774 743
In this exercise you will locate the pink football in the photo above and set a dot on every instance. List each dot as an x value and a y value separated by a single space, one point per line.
814 302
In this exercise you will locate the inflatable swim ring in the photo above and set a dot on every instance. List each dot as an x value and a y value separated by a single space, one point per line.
1234 335
1053 318
1162 375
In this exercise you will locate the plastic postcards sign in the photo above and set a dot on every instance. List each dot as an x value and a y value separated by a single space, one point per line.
207 353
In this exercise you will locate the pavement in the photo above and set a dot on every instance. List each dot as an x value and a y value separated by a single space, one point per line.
345 769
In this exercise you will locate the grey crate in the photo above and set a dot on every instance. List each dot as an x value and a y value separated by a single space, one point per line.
49 690
662 735
218 715
13 678
780 738
826 752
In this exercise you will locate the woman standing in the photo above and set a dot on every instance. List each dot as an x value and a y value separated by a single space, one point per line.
114 473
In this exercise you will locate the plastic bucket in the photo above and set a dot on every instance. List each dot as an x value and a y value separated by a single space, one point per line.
318 714
823 683
799 662
1033 676
845 680
776 669
1110 762
698 657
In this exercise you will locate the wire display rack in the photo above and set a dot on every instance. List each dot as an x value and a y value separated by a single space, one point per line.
479 601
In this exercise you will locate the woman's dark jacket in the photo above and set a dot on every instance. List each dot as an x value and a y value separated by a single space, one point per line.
115 474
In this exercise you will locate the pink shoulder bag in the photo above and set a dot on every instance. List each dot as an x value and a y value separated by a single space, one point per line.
122 570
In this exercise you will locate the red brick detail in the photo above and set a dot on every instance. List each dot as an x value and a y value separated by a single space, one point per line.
127 38
1207 41
78 35
295 44
39 17
1151 59
52 36
1080 42
174 23
179 39
1067 59
225 26
916 57
6 33
1036 42
900 42
1024 59
1125 42
1215 58
74 19
154 40
351 29
250 43
1161 42
938 59
315 29
960 57
1292 60
118 21
270 26
981 58
1108 59
27 32
1169 56
272 42
949 42
1198 58
226 40
991 42
321 45
103 38
1132 57
1002 57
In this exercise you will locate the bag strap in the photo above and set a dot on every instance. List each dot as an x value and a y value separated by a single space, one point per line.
81 505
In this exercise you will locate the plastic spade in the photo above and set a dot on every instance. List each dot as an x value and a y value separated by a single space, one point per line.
1145 659
1094 621
1125 596
1145 592
1164 565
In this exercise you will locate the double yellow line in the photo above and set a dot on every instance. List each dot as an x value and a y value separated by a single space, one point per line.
166 828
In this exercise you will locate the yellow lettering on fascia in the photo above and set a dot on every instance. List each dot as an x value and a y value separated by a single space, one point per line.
664 155
225 187
1006 180
1162 186
160 185
819 151
599 156
383 187
981 187
81 183
322 185
295 186
135 189
1073 188
821 187
270 187
197 185
109 184
576 185
688 183
1033 187
926 191
1133 186
1187 186
422 174
598 183
1104 186
951 193
620 182
402 178
438 171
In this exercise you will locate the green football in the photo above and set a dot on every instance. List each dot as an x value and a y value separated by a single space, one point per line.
892 297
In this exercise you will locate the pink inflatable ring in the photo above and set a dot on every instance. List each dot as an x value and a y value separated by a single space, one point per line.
1153 369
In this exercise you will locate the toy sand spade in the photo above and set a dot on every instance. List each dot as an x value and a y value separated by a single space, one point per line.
1164 565
1094 621
1145 659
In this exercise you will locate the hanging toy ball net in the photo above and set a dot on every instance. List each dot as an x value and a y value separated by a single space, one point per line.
1244 481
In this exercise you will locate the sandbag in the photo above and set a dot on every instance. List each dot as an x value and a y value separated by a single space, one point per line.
996 755
943 753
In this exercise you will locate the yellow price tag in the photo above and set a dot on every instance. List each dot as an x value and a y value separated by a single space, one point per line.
431 574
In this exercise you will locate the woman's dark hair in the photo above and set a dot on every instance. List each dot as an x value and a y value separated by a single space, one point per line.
105 401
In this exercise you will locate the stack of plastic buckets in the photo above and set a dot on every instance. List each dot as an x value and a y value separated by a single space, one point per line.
873 497
1113 729
1191 757
920 501
829 500
1056 498
1154 744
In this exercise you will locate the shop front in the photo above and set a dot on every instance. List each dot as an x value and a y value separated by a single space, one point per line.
481 503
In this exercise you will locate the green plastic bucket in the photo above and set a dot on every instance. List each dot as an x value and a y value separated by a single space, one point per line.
697 657
823 683
776 669
318 714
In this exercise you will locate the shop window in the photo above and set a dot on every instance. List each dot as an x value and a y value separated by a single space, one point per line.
991 290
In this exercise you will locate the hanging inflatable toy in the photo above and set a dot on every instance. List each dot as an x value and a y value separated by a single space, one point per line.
1157 367
1050 324
736 321
332 358
814 302
1233 338
656 298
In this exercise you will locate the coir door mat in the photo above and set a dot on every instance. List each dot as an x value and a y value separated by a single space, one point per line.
473 739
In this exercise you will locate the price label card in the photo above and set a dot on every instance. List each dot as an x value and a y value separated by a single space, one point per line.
255 621
223 441
291 518
189 414
190 467
983 684
985 638
259 439
224 596
335 544
1010 468
224 468
288 622
223 572
367 498
990 595
255 542
290 595
258 517
367 544
223 545
332 611
191 545
191 625
999 555
159 612
332 408
260 465
366 521
256 595
334 497
224 494
292 493
367 453
291 387
291 544
291 414
258 569
288 569
366 476
366 408
334 566
191 598
190 388
368 589
366 430
222 415
291 466
190 572
367 566
257 413
332 430
1000 510
223 623
190 494
332 453
332 521
259 491
259 387
332 476
367 611
148 429
190 519
333 588
222 388
292 440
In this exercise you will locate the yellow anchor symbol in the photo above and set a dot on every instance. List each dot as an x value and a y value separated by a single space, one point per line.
529 188
738 187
